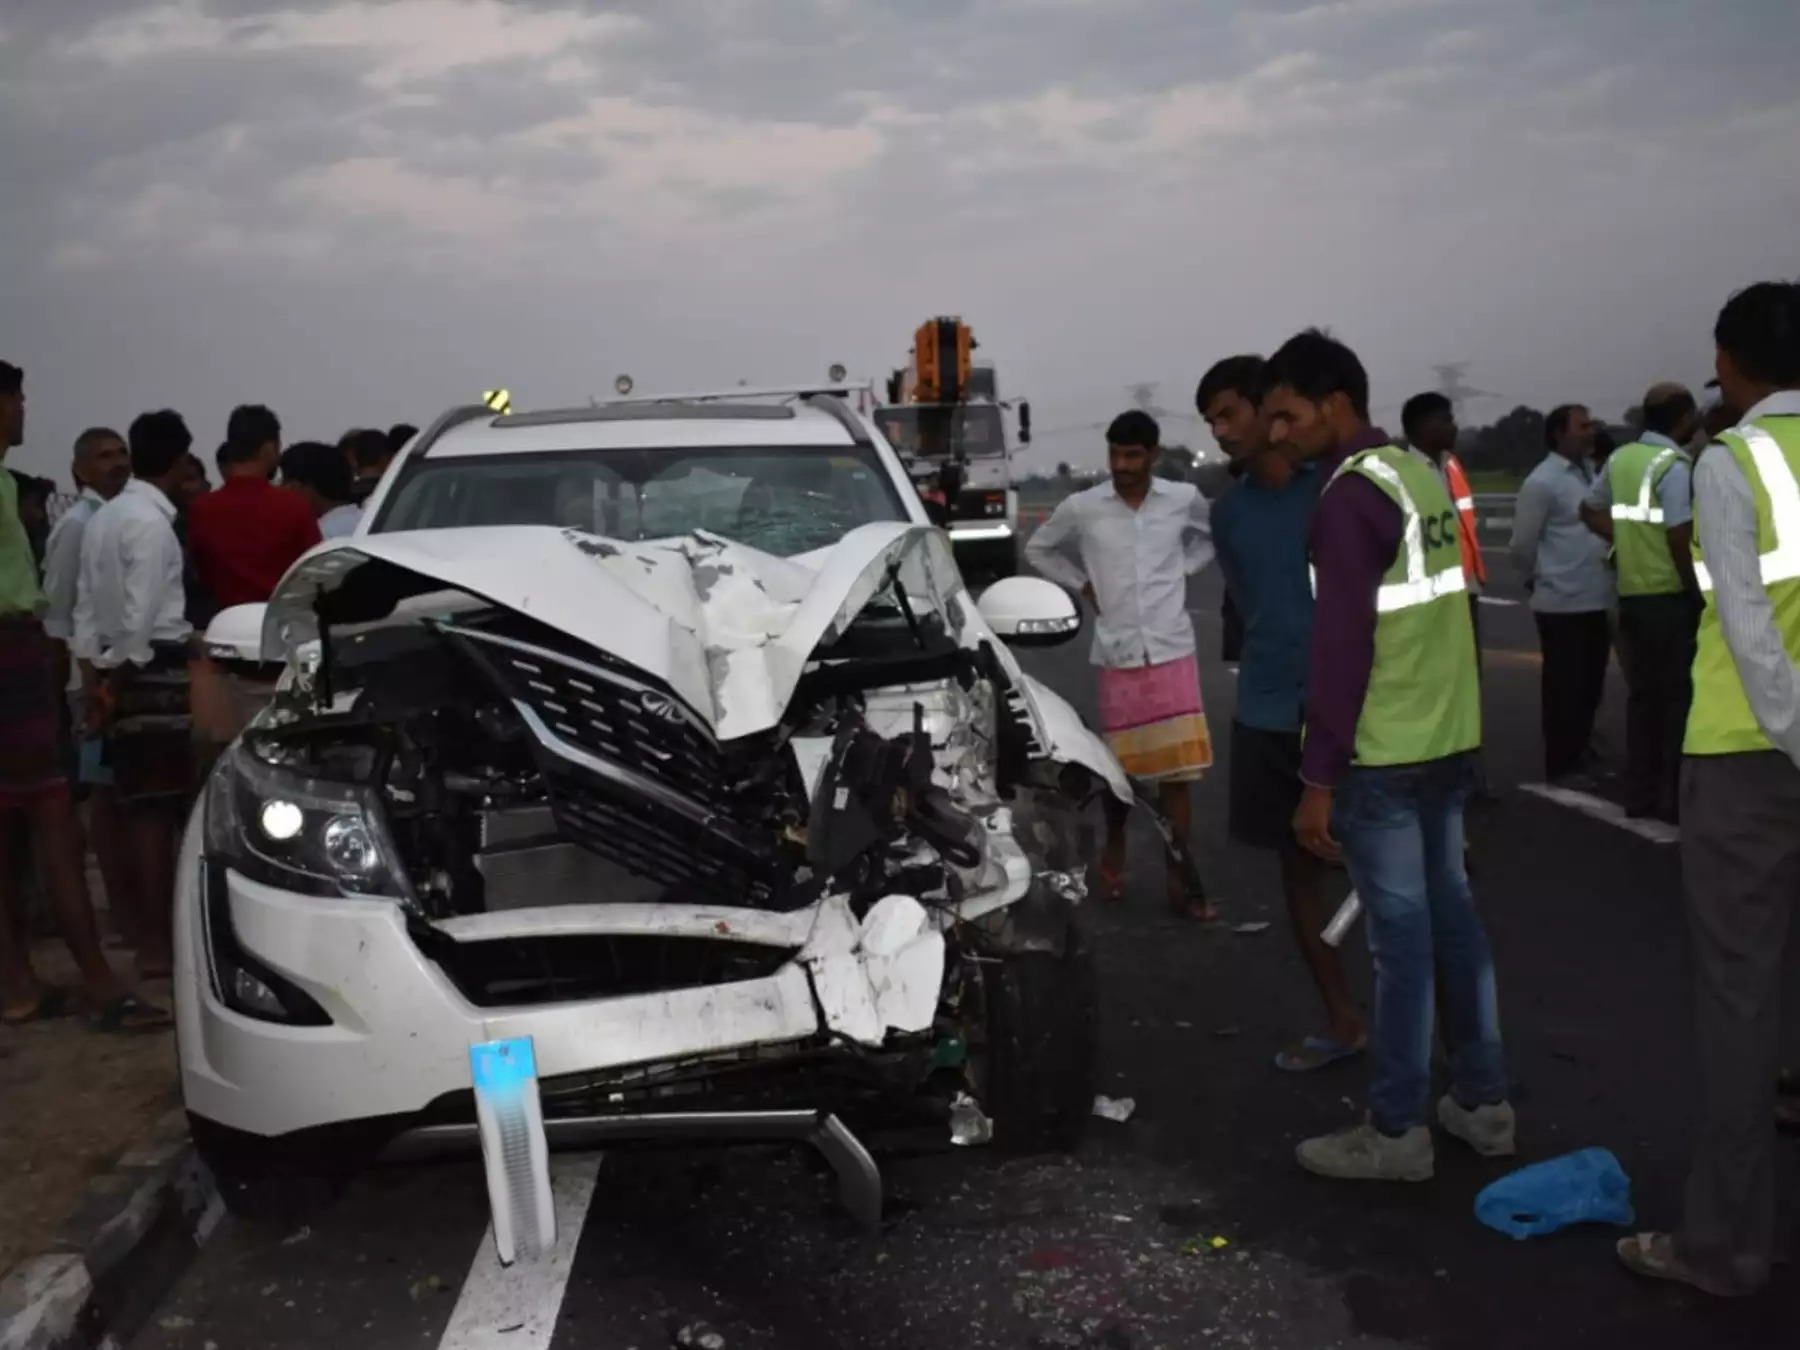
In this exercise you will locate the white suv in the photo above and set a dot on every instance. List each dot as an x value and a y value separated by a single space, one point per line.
666 735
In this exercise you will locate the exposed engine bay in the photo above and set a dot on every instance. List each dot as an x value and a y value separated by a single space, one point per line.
468 759
507 760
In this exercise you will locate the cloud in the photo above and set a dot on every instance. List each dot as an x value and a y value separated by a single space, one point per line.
388 198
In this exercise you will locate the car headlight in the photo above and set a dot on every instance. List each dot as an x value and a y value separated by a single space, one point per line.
283 828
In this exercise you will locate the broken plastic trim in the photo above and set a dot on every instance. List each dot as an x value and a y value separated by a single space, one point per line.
859 1179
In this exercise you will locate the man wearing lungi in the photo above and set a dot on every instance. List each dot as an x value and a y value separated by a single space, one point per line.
34 780
1128 546
133 639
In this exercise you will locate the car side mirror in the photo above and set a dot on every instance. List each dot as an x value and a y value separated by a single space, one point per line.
1024 423
235 635
1029 612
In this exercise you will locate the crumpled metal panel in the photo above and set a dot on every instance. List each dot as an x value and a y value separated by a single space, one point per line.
728 627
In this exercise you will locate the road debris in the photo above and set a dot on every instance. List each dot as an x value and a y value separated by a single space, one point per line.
699 1336
1254 926
1117 1109
1197 1246
1342 921
968 1124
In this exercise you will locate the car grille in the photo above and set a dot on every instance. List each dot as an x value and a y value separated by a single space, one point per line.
651 842
522 972
632 772
627 720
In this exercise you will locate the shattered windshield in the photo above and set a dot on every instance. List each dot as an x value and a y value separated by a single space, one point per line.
781 500
975 427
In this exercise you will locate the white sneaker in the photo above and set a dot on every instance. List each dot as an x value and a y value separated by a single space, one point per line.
1489 1130
1364 1153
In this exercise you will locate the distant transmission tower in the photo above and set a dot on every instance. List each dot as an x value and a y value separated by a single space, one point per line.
1451 386
1143 396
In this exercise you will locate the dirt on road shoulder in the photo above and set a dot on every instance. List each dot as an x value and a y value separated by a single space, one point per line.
72 1100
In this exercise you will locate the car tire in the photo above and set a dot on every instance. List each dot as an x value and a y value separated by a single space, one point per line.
1043 1045
262 1186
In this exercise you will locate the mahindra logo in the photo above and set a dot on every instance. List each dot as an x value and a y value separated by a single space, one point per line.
661 707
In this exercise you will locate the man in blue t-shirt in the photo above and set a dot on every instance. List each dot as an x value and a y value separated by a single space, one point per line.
1259 528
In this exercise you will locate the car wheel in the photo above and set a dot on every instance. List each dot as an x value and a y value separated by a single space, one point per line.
1042 1045
262 1185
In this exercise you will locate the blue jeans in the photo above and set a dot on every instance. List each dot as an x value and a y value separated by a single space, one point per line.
1402 833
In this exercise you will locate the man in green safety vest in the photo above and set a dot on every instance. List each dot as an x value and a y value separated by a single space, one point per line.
1643 503
1740 795
1393 721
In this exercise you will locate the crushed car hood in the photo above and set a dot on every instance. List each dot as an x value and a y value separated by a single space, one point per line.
728 627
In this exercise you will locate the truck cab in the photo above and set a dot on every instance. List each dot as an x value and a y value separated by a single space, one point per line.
977 499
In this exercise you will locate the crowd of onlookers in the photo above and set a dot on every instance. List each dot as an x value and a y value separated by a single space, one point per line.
1353 562
110 709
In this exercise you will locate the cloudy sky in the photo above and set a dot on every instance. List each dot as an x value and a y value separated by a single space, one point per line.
363 212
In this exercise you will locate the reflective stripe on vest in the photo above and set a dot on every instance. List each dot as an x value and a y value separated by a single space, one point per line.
1418 588
1781 563
1423 701
1721 720
1647 509
1640 532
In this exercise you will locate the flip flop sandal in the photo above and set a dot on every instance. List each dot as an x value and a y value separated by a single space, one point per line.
129 1014
1186 903
1652 1255
51 1005
1315 1053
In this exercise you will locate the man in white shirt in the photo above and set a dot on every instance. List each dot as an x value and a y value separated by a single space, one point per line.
133 639
1135 541
101 469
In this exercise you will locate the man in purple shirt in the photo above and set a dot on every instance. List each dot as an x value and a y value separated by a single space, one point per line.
1401 824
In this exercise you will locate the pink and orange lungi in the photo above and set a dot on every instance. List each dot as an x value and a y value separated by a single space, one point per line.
1155 720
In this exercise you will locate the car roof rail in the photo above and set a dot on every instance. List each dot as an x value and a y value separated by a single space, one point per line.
839 411
445 423
648 412
841 389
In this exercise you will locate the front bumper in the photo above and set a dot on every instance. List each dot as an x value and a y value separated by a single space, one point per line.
400 1029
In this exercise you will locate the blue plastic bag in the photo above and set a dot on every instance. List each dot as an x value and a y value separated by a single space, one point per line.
1584 1187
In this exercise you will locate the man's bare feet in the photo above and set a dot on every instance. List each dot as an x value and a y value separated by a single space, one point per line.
1187 903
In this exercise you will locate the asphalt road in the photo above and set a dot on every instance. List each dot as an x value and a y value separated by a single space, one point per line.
1112 1247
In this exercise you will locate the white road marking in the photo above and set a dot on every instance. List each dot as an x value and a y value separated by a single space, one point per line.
1656 831
1496 600
515 1307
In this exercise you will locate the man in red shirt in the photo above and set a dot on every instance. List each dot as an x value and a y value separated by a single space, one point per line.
245 536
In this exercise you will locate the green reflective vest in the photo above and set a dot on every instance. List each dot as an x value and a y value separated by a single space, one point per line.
1640 538
1424 697
1768 451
